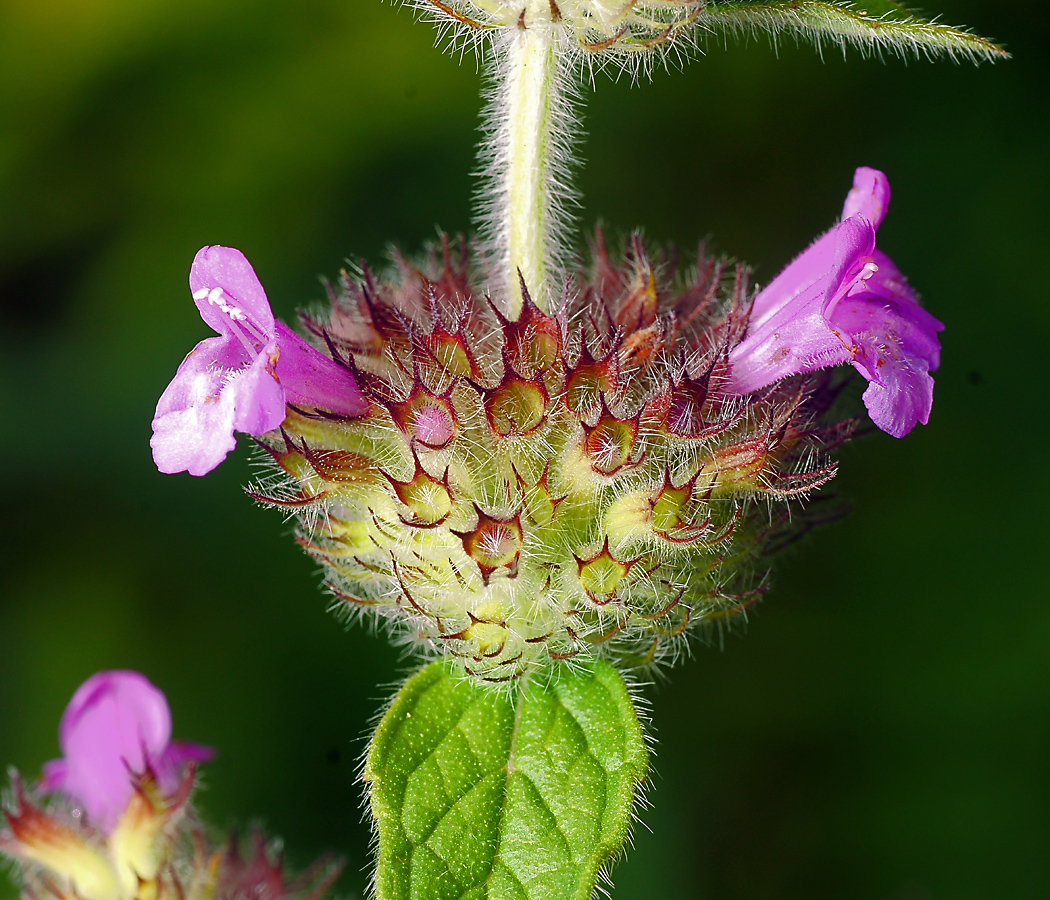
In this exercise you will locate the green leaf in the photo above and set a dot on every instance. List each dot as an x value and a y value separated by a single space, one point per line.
874 26
484 793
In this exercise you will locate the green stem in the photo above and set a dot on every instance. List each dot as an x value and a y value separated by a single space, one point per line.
530 73
526 187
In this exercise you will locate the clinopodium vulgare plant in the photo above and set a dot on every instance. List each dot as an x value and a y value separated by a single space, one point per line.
543 472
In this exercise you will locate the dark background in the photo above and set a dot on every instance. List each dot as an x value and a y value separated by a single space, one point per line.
881 731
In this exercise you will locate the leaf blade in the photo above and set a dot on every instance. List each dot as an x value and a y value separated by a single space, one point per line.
484 795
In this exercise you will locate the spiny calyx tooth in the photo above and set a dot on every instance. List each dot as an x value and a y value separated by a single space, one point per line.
428 498
590 380
494 543
601 574
426 417
533 342
609 442
517 405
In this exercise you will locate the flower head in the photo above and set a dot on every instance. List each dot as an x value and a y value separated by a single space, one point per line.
844 301
243 379
527 484
116 727
536 485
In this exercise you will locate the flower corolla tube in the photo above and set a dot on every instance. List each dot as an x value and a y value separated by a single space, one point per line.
844 301
243 379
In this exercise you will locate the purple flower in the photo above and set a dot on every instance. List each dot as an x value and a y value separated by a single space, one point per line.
241 380
844 301
116 725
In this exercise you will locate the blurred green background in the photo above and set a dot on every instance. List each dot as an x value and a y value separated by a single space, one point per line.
882 730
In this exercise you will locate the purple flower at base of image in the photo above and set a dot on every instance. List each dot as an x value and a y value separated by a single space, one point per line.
844 301
116 726
242 379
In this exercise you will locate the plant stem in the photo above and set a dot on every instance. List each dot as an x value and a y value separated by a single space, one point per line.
525 184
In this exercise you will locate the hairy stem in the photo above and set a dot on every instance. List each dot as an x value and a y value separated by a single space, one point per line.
525 168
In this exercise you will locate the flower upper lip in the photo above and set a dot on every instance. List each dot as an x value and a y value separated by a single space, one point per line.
116 726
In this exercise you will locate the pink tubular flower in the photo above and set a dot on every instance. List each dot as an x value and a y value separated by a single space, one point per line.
843 301
241 380
116 725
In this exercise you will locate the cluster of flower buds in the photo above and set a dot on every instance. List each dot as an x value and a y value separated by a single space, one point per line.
119 826
515 490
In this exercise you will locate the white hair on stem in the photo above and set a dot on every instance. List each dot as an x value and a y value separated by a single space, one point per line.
525 197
